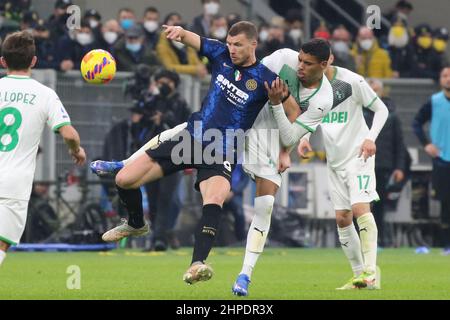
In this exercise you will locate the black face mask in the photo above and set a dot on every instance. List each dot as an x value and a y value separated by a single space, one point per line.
165 90
274 44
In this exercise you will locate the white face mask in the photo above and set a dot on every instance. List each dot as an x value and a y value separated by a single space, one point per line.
398 42
110 37
263 35
296 34
220 33
151 26
212 8
84 38
366 44
178 45
93 23
340 47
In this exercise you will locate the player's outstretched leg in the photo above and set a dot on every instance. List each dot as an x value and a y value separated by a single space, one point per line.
256 240
128 182
106 168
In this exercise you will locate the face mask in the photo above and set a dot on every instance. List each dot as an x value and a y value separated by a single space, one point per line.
165 90
133 47
110 37
340 48
366 44
178 45
439 45
151 26
425 42
322 34
296 34
398 37
220 33
84 38
126 24
212 8
93 23
274 43
263 35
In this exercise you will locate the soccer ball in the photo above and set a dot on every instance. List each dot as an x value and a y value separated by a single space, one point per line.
98 67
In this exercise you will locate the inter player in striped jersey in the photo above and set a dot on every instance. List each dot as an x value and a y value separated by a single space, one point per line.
235 97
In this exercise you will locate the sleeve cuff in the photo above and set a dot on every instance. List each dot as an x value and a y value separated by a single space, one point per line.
57 127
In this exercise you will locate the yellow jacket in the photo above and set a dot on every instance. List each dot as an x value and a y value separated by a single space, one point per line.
170 60
374 63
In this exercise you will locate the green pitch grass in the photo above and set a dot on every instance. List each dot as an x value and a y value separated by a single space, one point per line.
280 274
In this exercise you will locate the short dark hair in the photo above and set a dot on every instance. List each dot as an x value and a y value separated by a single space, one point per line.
169 74
18 50
317 47
151 9
244 27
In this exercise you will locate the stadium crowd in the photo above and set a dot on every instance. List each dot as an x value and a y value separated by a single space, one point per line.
139 46
402 51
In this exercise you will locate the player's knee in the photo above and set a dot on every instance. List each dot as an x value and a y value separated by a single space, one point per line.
123 181
214 199
344 219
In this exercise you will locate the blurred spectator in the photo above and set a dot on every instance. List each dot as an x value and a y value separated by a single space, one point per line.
233 18
173 19
428 62
126 18
71 52
437 112
30 19
322 32
202 23
176 56
294 22
13 9
277 39
95 22
151 27
166 109
263 32
440 42
340 46
392 163
46 49
401 11
57 21
132 51
282 7
371 60
234 201
400 50
219 28
111 33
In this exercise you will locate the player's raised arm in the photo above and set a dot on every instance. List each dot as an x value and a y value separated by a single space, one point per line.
72 140
289 133
179 34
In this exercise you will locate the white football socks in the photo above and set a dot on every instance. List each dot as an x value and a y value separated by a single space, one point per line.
2 256
351 244
368 233
257 233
